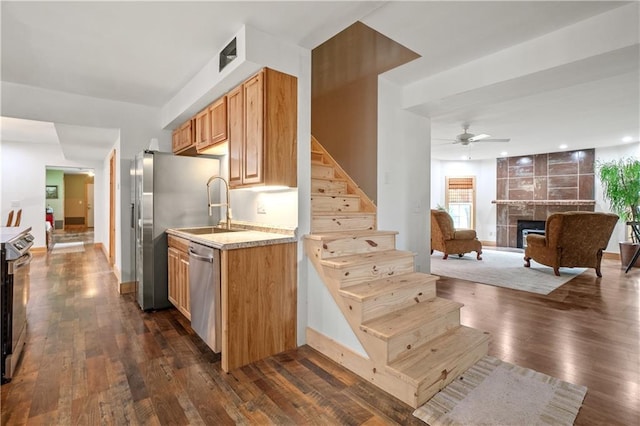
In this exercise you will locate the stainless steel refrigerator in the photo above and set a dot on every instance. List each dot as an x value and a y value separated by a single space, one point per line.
169 191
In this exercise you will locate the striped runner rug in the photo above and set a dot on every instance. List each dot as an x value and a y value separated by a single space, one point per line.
494 392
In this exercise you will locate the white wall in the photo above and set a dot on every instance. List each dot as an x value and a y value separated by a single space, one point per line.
280 208
138 124
404 182
24 178
606 154
485 173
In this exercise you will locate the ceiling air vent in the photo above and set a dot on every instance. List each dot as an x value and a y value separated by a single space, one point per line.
228 54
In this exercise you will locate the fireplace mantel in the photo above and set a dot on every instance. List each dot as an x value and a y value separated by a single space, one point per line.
545 202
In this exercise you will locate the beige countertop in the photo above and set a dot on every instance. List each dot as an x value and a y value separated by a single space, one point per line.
235 240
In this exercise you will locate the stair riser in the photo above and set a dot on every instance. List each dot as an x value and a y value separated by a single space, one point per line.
346 246
371 271
396 300
334 204
320 171
331 224
322 186
316 156
432 385
400 346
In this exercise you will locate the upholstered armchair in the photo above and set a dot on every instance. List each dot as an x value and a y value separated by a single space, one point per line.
447 239
571 239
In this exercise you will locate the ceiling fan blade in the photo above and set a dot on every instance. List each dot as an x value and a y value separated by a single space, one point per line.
492 140
479 137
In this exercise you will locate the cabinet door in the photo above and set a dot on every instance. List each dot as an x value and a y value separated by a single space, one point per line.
202 129
236 135
185 299
218 121
186 135
254 128
175 140
174 278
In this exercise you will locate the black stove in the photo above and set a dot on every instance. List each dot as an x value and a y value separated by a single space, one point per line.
15 258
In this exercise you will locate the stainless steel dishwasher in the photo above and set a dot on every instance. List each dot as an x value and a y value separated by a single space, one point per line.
204 292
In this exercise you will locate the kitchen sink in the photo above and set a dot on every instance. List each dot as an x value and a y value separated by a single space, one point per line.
203 230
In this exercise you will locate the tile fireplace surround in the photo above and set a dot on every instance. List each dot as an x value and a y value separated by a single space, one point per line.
534 186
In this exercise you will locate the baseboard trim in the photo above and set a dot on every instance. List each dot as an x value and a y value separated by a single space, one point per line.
609 255
488 243
127 287
38 250
364 367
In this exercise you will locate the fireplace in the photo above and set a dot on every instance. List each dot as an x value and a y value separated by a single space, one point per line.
528 226
533 187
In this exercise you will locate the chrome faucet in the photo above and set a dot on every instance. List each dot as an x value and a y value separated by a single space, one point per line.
228 205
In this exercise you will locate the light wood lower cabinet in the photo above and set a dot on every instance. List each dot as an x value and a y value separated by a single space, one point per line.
178 253
259 303
258 298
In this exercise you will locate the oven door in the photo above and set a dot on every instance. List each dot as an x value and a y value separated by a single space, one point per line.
18 292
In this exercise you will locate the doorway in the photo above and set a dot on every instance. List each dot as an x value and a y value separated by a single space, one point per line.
69 212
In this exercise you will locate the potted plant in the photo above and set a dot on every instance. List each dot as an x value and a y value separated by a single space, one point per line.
621 185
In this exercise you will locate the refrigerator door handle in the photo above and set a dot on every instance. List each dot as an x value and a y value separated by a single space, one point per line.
133 216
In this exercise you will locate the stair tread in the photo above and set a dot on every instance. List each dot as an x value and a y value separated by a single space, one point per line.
320 163
452 345
338 235
329 195
313 151
352 259
373 289
334 179
405 320
344 214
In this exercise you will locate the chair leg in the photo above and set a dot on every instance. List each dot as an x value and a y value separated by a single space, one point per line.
460 254
479 255
598 261
527 262
556 271
446 255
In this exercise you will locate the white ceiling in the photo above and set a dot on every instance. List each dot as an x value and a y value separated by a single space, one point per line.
144 52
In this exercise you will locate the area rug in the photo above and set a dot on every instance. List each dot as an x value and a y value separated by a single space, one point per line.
494 392
61 248
502 269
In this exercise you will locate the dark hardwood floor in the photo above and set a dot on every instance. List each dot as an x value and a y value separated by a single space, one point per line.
92 357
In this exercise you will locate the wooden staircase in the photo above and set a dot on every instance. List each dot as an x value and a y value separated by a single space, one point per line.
414 341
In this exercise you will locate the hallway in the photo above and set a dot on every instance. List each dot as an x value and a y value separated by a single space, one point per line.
93 357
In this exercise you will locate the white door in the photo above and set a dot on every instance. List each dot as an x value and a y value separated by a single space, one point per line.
90 205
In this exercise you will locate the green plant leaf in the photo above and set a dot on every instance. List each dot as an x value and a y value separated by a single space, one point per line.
621 183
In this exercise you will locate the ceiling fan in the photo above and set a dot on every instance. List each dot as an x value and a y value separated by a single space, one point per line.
466 138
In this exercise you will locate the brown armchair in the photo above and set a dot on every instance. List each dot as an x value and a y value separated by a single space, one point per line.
571 239
447 239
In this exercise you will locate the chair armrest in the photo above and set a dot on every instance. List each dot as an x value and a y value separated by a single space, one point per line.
464 234
535 240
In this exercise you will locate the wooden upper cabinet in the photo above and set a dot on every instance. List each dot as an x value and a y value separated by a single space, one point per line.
218 120
184 140
235 105
175 140
265 151
202 129
213 126
253 155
